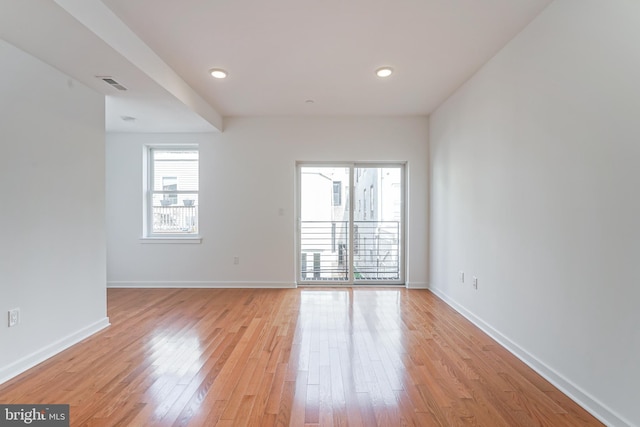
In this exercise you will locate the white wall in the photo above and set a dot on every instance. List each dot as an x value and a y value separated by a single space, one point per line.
535 190
52 249
248 174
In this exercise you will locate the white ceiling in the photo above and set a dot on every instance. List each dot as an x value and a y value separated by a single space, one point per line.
279 53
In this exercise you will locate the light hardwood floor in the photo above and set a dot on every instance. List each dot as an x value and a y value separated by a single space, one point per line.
291 357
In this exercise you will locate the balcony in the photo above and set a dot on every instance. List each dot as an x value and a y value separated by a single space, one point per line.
324 247
175 219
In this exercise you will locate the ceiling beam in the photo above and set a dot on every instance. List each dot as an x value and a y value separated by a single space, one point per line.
100 20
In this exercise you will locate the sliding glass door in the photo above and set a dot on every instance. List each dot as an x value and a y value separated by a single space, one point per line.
350 226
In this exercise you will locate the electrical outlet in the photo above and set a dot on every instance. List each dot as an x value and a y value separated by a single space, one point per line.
236 260
475 282
14 317
462 277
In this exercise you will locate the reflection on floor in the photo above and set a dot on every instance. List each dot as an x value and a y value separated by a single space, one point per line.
292 357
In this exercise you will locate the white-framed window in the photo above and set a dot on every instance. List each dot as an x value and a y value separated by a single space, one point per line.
364 202
337 193
371 204
171 191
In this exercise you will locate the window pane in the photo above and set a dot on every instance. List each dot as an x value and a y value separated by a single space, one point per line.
377 229
173 194
337 193
175 170
178 217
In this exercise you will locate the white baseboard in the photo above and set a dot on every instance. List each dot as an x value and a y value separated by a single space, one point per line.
199 284
581 397
417 285
39 356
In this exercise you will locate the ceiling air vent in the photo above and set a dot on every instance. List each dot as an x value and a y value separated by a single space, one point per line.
110 81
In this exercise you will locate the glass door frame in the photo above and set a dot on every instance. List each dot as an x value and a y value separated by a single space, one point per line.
351 279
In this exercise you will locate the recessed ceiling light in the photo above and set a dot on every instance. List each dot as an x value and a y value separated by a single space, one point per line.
384 72
218 73
309 101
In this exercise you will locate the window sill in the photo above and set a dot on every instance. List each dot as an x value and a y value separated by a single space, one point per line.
172 239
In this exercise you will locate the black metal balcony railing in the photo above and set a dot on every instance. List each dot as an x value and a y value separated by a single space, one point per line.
324 249
175 219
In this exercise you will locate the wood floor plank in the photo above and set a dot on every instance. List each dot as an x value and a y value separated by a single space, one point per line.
291 357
